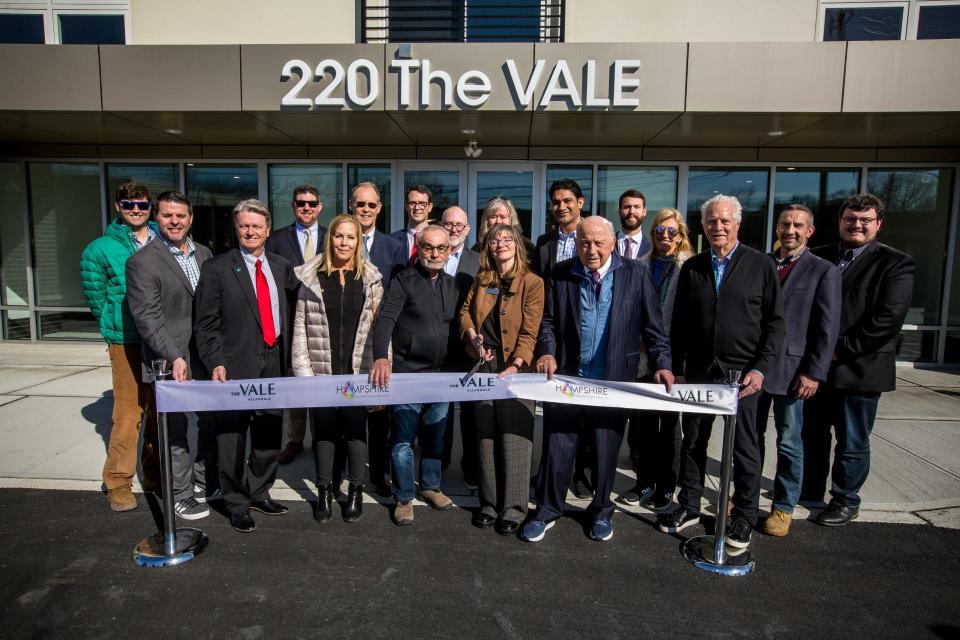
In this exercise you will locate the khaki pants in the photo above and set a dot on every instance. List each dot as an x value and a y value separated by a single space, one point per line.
132 398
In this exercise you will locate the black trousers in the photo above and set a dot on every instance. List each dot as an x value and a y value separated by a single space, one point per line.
378 444
340 425
243 480
655 441
747 464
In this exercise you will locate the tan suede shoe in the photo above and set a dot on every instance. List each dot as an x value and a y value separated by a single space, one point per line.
435 499
121 499
777 524
403 513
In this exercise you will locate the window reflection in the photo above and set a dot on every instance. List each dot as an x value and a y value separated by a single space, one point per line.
380 175
214 190
517 186
823 190
13 237
862 23
444 185
748 185
284 178
155 177
582 174
658 185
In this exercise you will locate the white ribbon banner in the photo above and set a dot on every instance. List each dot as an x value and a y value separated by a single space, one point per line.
414 388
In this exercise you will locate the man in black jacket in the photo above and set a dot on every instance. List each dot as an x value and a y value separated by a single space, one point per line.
877 290
728 315
416 316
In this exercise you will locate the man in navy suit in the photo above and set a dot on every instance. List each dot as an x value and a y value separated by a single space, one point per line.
598 308
298 243
811 309
877 292
631 241
418 205
390 258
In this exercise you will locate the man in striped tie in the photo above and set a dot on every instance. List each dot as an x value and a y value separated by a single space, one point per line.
240 314
632 208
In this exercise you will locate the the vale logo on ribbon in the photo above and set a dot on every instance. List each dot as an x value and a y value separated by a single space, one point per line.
256 391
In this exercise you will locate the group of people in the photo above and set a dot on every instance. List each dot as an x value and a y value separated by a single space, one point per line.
808 333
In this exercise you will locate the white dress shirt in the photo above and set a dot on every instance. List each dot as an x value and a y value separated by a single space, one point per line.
251 262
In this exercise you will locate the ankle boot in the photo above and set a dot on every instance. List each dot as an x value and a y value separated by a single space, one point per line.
324 510
353 508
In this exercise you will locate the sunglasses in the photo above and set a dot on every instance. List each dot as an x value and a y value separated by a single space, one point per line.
670 231
360 204
130 205
313 204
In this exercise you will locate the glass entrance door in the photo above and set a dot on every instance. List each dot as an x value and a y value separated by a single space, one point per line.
516 181
447 182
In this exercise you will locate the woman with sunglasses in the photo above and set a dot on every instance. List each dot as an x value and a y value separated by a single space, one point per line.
499 321
654 437
332 335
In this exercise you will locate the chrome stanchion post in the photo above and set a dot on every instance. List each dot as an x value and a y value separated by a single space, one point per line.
710 553
172 545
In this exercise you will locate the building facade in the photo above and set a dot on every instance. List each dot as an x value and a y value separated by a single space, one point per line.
774 102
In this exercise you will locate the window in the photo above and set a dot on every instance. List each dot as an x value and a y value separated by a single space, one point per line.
21 28
938 20
284 178
863 21
748 185
823 190
13 254
658 185
155 177
380 175
582 174
214 189
91 29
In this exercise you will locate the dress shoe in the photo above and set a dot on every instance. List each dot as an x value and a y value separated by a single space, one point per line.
581 488
324 509
242 522
353 508
121 499
482 519
680 519
837 515
269 506
289 452
506 527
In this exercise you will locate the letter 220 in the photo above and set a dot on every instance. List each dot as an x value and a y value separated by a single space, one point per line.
324 99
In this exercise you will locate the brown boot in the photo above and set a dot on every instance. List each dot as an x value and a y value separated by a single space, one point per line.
777 523
403 514
121 499
436 499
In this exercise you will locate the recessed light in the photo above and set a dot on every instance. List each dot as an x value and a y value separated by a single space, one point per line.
775 133
189 164
468 132
749 181
791 168
173 132
236 177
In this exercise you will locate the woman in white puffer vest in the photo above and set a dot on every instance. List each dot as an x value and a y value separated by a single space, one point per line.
333 335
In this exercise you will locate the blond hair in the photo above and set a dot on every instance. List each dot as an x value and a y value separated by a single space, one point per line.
326 267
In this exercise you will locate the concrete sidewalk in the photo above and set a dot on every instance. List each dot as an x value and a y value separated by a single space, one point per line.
55 407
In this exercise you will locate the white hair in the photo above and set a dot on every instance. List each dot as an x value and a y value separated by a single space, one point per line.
718 199
606 223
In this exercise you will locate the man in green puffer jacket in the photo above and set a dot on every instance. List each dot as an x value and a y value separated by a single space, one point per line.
102 268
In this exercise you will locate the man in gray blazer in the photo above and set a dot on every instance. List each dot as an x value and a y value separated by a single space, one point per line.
811 304
161 279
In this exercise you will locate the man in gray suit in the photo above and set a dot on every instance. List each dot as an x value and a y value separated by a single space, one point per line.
161 279
463 264
811 304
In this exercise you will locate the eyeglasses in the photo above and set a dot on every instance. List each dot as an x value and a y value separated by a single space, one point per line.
429 248
852 220
500 242
417 205
360 204
313 204
454 226
670 231
130 205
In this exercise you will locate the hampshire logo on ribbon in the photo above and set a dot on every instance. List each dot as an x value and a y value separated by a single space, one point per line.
581 390
350 390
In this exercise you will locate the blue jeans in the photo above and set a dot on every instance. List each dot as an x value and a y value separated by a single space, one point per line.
788 418
428 423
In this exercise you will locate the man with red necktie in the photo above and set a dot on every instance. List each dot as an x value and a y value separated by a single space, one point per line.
240 312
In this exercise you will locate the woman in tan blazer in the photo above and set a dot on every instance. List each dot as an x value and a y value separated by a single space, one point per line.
499 321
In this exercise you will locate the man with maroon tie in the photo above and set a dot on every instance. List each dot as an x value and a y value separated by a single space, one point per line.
632 209
240 312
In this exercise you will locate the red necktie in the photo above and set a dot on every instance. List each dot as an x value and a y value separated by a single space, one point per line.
266 309
413 250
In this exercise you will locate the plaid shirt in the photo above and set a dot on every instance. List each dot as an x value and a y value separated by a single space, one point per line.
566 245
187 262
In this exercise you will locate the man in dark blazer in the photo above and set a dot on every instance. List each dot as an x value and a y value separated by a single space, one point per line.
877 291
598 310
298 243
418 205
390 258
631 241
728 315
811 309
161 279
241 314
463 264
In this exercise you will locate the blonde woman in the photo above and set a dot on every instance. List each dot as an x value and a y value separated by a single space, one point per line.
333 334
654 437
499 320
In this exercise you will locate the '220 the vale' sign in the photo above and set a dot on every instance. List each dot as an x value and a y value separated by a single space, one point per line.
361 81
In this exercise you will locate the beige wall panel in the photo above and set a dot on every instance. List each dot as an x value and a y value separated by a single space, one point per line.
944 154
782 76
700 155
241 21
787 155
691 21
456 59
52 78
263 89
910 75
662 73
187 78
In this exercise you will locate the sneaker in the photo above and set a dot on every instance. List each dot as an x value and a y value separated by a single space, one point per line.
534 530
122 499
201 494
777 523
637 495
403 513
602 530
678 520
436 499
738 533
190 509
663 503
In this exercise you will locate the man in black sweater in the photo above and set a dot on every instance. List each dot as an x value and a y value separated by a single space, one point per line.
728 316
415 317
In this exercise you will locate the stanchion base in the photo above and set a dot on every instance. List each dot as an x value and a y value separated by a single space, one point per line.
699 551
150 552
